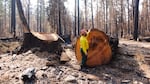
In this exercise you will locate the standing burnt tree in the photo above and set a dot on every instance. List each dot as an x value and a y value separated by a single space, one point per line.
46 42
78 17
136 19
13 18
75 28
22 17
92 13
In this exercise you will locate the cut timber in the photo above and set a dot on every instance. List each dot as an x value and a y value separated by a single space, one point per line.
45 41
99 51
48 42
46 36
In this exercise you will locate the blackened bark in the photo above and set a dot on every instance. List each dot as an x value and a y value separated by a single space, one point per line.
30 41
78 17
59 30
13 18
92 13
22 17
136 18
75 29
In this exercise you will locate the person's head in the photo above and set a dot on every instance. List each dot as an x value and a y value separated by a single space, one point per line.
83 32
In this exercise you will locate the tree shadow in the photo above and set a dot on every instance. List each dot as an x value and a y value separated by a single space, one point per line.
121 69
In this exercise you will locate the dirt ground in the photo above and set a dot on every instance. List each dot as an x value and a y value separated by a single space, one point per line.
128 66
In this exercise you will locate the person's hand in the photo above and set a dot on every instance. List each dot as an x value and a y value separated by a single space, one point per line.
89 30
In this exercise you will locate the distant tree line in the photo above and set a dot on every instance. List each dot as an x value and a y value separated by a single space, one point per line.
117 18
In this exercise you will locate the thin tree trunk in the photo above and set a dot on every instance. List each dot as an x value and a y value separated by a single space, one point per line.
5 14
59 12
147 21
85 3
128 19
78 17
122 19
97 14
136 19
10 30
29 13
106 17
92 13
38 15
13 18
75 28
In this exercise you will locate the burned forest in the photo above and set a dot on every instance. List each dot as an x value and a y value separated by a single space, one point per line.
74 42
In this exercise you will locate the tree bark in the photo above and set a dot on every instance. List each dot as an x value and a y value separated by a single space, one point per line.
78 17
128 19
59 12
29 13
22 17
46 42
13 18
38 28
92 13
122 21
85 3
75 28
136 19
106 16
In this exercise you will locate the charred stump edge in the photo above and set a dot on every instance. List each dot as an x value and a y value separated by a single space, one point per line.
30 41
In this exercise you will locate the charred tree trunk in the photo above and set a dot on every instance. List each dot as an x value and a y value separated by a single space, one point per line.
31 41
85 2
22 17
122 21
13 18
59 12
92 13
106 17
128 19
78 17
75 28
37 17
136 17
40 40
29 13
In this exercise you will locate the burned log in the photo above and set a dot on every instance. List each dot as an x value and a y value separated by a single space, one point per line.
114 42
144 39
45 41
99 51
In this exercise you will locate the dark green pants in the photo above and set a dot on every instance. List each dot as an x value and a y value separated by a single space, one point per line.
84 57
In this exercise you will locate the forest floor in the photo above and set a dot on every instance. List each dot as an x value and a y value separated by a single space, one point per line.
129 66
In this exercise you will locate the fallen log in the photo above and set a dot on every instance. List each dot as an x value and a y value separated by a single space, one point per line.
100 50
45 41
144 39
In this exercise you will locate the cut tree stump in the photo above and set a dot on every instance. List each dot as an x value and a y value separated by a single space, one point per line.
45 41
100 48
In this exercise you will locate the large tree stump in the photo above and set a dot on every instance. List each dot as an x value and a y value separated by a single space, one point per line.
100 48
46 42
